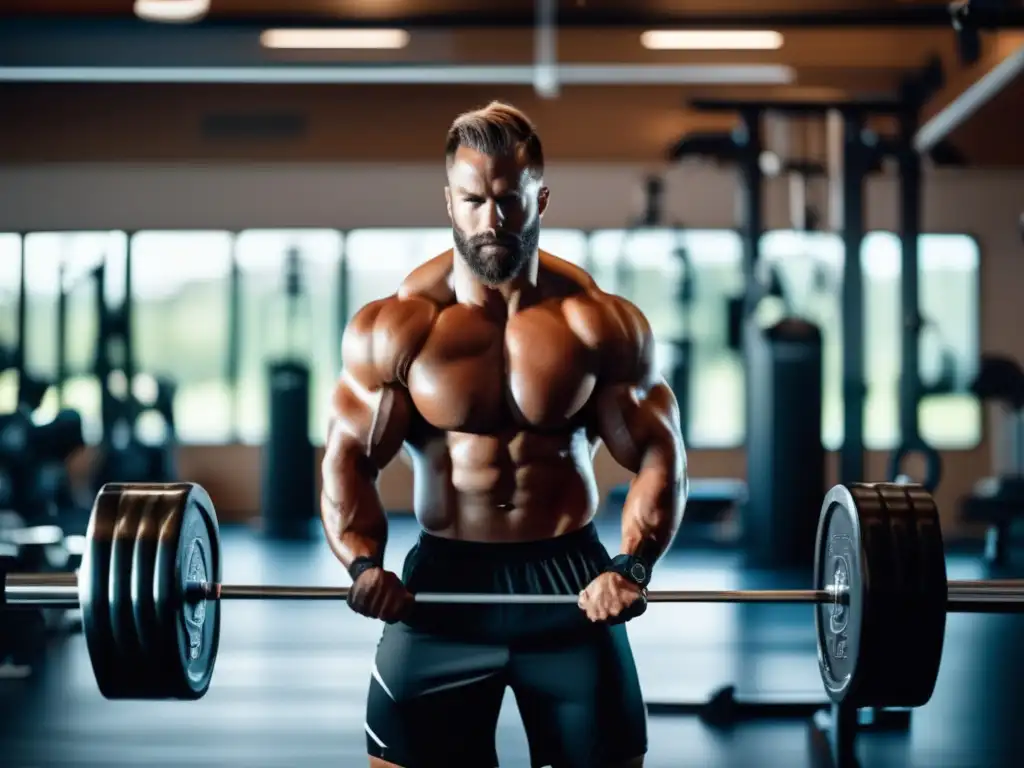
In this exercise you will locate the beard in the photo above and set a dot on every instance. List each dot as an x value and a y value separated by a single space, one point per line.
496 259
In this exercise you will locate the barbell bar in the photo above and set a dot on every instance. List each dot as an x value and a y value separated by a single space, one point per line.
149 588
61 591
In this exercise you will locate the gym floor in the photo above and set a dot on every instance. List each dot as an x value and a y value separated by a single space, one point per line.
291 678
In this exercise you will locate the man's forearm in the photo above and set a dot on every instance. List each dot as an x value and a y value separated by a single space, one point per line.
351 510
654 506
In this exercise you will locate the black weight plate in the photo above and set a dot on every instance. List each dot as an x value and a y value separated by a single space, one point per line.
884 600
147 626
899 683
853 549
930 591
141 675
188 550
93 581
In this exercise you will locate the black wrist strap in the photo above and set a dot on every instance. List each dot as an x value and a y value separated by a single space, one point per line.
361 564
631 567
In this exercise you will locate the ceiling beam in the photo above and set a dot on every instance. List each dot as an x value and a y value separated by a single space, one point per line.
929 15
969 89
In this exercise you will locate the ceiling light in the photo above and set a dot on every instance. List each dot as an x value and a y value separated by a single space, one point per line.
334 38
706 40
171 10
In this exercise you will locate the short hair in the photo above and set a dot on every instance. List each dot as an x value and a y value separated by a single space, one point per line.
498 129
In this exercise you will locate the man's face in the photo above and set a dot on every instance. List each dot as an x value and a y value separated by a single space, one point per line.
495 207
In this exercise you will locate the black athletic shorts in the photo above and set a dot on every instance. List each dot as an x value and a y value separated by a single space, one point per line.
439 677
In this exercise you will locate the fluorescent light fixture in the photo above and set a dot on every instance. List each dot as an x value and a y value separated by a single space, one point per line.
334 38
710 40
568 74
173 11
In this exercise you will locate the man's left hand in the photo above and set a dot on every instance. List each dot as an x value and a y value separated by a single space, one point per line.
612 598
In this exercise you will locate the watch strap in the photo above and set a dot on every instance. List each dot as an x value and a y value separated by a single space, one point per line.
631 567
361 564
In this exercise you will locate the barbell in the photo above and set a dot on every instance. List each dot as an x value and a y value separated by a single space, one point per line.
149 589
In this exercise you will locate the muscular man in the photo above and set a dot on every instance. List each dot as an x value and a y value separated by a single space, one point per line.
500 368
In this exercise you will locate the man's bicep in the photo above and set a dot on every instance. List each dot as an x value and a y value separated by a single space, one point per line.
371 409
368 424
640 425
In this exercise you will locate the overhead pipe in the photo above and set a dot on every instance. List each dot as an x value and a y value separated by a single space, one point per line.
565 74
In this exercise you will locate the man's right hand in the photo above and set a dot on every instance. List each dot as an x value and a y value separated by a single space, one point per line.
379 594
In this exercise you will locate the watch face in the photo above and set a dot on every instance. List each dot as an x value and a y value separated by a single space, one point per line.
638 572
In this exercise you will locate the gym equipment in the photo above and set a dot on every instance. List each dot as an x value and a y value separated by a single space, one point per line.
14 357
42 548
861 154
651 216
122 457
149 590
35 483
289 467
998 500
785 457
911 389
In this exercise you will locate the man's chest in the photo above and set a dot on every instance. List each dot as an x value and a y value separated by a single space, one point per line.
476 375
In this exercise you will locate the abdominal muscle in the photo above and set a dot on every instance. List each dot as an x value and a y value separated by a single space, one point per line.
517 487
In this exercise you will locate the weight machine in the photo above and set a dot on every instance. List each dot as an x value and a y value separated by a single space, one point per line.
652 217
709 499
862 152
997 501
121 455
35 488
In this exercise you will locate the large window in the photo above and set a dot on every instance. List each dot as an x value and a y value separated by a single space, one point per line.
810 269
682 281
68 261
275 328
10 282
948 294
180 287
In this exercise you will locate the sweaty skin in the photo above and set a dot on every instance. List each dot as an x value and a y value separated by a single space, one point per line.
500 395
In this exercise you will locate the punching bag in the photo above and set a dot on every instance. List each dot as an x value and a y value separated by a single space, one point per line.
289 469
288 472
785 456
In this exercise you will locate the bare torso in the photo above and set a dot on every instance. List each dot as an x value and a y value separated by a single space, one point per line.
500 441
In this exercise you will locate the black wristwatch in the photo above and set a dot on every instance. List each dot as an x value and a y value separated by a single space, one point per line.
631 567
360 564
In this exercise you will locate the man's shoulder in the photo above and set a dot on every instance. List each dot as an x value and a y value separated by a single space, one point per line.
616 329
562 279
431 281
602 319
414 306
385 335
